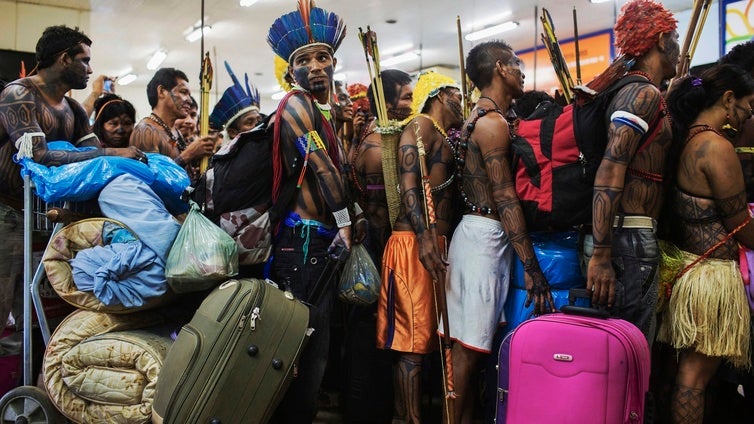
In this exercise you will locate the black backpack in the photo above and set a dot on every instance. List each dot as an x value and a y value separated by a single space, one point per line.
556 154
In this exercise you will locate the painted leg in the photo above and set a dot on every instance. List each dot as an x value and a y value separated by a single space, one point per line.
407 374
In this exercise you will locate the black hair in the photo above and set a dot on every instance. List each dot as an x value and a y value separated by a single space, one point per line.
56 40
194 104
107 107
392 80
690 95
482 58
527 104
741 55
166 77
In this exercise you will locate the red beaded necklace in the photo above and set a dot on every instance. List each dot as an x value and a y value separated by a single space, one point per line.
695 130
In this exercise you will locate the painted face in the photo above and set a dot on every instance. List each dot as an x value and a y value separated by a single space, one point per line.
344 107
313 68
742 111
515 68
453 100
243 123
401 108
672 54
187 126
117 131
179 99
76 72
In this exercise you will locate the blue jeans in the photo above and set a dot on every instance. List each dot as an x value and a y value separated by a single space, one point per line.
291 271
636 258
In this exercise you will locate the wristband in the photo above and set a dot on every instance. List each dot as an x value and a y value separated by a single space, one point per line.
357 209
342 218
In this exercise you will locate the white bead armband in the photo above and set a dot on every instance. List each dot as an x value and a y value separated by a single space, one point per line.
342 218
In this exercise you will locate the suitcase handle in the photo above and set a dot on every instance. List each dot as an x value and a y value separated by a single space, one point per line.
572 309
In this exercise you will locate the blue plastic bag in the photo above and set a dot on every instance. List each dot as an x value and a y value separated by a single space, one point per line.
80 181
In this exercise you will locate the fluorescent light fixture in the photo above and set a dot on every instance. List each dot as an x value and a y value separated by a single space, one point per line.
248 3
600 1
401 58
277 96
340 76
490 31
491 20
126 79
396 49
196 34
157 59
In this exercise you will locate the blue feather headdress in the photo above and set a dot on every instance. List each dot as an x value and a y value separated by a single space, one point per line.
304 27
235 102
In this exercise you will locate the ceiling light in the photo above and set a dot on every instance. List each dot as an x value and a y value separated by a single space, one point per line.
340 76
127 79
196 33
491 19
157 59
277 96
396 49
487 32
247 3
405 57
600 1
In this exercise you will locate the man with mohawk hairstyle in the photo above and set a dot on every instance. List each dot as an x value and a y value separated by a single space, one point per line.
307 178
622 253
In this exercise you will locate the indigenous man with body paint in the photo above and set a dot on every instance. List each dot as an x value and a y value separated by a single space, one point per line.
307 179
33 111
622 251
413 257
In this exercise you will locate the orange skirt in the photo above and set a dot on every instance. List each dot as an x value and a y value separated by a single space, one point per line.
406 320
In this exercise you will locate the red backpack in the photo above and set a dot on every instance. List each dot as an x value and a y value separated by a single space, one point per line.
556 153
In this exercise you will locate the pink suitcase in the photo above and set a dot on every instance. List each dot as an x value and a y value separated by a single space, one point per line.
566 368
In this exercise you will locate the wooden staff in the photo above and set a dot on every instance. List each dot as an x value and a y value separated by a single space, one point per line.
441 306
464 85
694 32
206 85
576 45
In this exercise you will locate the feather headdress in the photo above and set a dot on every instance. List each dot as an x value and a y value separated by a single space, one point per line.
358 93
281 74
309 25
429 85
235 102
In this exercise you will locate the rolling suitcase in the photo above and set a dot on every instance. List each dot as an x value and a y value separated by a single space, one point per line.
575 369
234 361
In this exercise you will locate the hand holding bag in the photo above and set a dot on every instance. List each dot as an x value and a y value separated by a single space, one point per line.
360 281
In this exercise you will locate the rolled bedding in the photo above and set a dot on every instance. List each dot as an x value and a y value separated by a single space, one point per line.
132 290
103 368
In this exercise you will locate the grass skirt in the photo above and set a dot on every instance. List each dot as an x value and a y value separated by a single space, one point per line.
708 311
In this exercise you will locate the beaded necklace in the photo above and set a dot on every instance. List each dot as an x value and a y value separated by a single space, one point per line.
173 138
446 183
700 128
461 159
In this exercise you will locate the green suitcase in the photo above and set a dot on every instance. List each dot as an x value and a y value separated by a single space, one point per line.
234 361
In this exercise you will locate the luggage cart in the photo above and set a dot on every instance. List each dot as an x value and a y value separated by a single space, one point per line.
28 404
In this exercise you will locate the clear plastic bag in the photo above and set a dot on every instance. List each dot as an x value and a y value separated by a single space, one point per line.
202 256
360 281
